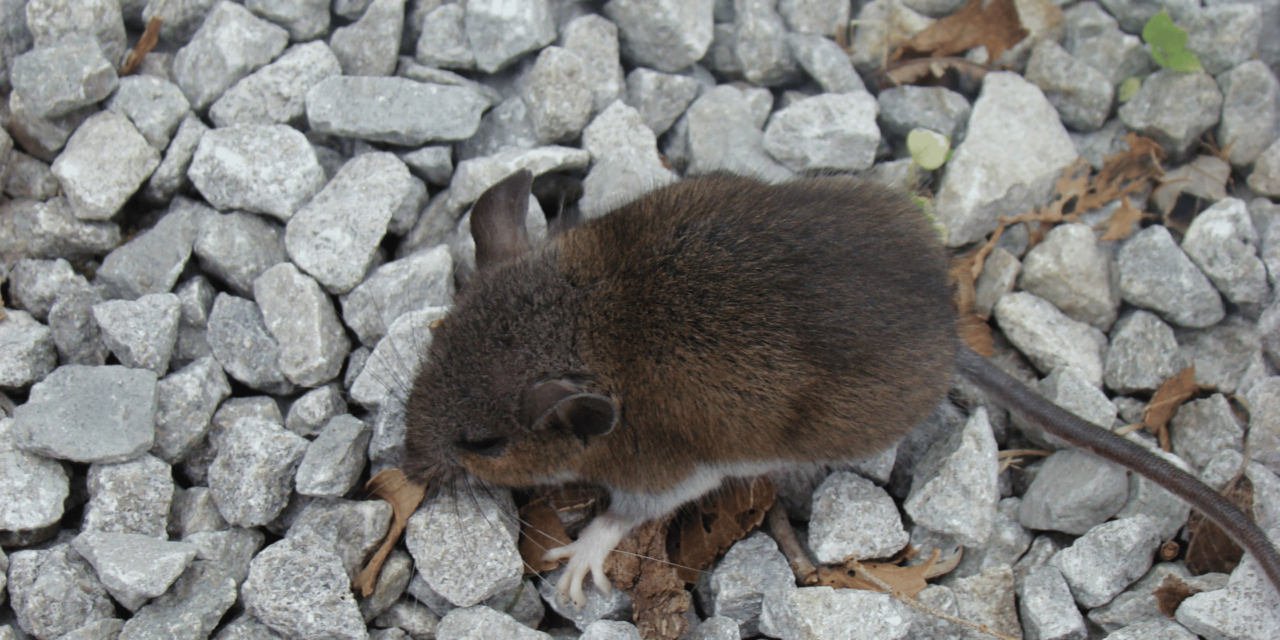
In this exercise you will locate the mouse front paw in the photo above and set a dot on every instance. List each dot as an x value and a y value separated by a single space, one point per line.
588 553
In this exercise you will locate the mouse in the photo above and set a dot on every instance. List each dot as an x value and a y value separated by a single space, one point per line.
720 327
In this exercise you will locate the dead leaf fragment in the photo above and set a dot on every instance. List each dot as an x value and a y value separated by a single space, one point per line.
1170 594
916 70
639 566
1211 550
145 44
995 26
1120 225
1164 404
907 581
390 485
719 521
1205 178
540 531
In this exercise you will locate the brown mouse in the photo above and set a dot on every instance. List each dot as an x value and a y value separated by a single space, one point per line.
719 327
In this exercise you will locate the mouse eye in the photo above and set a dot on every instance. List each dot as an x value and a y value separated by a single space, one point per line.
486 447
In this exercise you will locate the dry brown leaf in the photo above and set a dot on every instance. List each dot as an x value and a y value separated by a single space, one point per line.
145 44
908 581
540 531
1170 594
717 523
1165 403
1211 550
1205 177
639 566
1120 225
976 334
390 485
995 26
915 70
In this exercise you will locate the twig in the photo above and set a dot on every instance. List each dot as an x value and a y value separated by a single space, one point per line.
919 606
785 536
145 44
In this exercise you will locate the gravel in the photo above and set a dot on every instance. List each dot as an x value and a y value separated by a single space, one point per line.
277 203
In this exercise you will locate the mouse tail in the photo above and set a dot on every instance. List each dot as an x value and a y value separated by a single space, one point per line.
1034 408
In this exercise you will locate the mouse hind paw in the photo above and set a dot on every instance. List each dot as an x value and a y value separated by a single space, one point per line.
587 554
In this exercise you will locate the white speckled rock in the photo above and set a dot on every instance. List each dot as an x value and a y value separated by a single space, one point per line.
1049 338
823 612
96 188
267 169
853 517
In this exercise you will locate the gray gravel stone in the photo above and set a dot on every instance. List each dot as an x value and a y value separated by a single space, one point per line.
1265 179
55 21
88 414
191 608
1168 512
595 41
723 135
659 97
106 629
29 178
751 568
1264 422
252 475
239 339
393 110
151 262
954 488
1110 557
558 93
668 35
626 161
171 175
300 316
181 18
1223 353
141 333
15 38
238 247
423 279
352 529
309 414
1143 354
391 367
1174 108
299 589
610 630
1202 428
822 17
1070 270
155 106
988 598
186 401
1155 274
1080 93
824 612
369 46
130 497
443 41
333 462
35 285
506 127
1250 110
1073 492
825 62
54 591
1007 543
335 236
501 33
410 616
1133 14
433 164
760 43
829 131
465 545
196 466
988 176
260 168
276 93
999 274
32 489
853 517
231 550
31 353
1223 243
194 511
304 20
1066 388
230 44
56 79
1046 607
472 177
475 623
1223 36
1137 603
1094 37
132 567
392 580
96 189
1049 338
246 627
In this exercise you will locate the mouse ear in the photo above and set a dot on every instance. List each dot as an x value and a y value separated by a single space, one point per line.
563 404
497 220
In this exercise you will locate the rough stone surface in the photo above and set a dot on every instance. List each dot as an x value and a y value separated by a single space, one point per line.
237 247
1155 274
1264 423
305 19
1071 270
333 462
300 316
97 189
465 545
825 62
54 591
89 414
1250 110
1049 338
751 568
35 285
852 516
252 475
558 93
723 135
48 230
368 47
309 414
1223 243
60 78
240 340
472 177
988 176
75 332
443 43
186 401
29 178
474 623
1080 93
393 110
823 612
500 33
191 608
32 489
335 236
1265 179
171 175
423 279
299 589
1073 492
954 488
595 40
760 44
276 93
151 262
130 497
141 333
54 21
134 568
1143 354
829 131
230 44
668 35
937 109
31 353
659 97
155 106
267 169
1174 108
1110 557
1046 606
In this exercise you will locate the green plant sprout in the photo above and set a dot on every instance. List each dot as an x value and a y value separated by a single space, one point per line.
1128 89
928 149
1168 44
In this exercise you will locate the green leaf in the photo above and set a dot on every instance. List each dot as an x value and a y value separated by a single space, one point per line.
1160 22
1159 56
928 149
1128 88
1184 61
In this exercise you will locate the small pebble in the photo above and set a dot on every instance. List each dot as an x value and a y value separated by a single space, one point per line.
1110 557
301 317
853 517
132 567
368 47
470 567
59 78
830 613
308 414
240 340
1174 123
334 460
230 44
258 168
155 106
237 247
252 475
95 189
393 110
666 35
152 262
1049 338
1155 274
130 497
298 588
275 94
89 414
55 591
185 404
191 608
500 33
751 568
141 333
1073 492
829 131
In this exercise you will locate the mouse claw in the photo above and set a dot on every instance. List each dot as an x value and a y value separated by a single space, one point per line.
587 554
